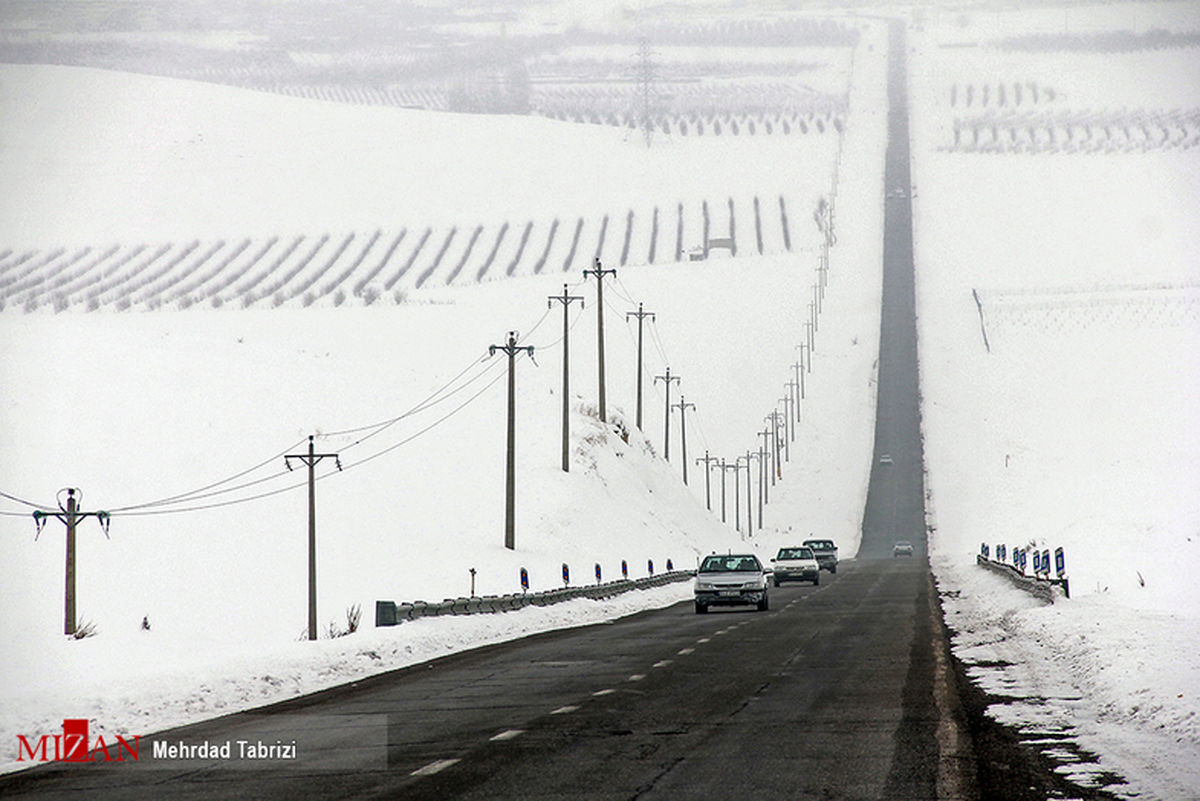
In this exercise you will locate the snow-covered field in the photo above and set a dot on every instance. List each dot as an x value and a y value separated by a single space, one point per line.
1078 429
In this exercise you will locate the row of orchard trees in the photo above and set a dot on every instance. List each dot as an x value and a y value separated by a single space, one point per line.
332 269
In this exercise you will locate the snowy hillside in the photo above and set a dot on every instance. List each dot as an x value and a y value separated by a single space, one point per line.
171 414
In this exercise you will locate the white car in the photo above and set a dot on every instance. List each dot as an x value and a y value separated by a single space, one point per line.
731 580
796 564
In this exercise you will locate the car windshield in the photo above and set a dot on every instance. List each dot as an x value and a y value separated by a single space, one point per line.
795 553
730 564
822 544
903 544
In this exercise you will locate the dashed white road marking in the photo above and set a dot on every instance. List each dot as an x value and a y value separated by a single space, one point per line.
563 710
509 734
608 691
663 663
436 766
637 677
704 639
686 651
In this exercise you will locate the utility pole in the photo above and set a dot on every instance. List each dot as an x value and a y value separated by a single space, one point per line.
311 459
808 327
799 368
774 427
683 407
823 269
794 396
510 482
749 501
70 517
667 379
765 433
565 300
725 467
736 467
761 455
599 272
817 300
641 316
788 434
766 464
708 465
780 443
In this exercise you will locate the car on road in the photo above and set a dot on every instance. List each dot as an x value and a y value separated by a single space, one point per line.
885 458
902 548
826 553
795 564
731 580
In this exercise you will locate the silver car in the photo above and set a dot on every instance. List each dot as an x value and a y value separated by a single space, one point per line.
796 564
731 580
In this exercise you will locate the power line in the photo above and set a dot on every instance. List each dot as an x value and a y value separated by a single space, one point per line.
196 493
24 502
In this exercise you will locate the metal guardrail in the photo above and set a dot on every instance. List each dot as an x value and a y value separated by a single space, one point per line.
1040 585
390 613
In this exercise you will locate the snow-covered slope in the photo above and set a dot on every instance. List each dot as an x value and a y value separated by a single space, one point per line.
138 407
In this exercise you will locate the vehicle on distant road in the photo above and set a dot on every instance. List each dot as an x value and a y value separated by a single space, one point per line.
902 548
731 580
795 564
885 458
826 553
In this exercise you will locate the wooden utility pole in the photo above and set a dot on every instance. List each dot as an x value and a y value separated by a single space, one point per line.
683 407
310 459
709 461
641 316
510 481
667 379
70 517
599 272
565 300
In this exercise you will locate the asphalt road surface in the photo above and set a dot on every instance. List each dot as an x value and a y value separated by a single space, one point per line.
826 695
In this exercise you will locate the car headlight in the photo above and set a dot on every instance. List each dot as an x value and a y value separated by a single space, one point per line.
703 586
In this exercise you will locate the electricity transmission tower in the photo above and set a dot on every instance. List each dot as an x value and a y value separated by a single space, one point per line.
647 77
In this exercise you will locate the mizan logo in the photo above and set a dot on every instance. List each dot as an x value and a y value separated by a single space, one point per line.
74 745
